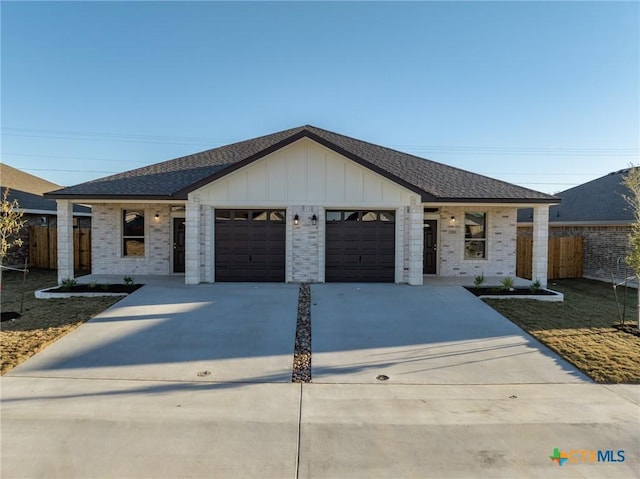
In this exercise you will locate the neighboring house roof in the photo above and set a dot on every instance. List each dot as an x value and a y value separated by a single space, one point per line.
28 190
37 204
174 179
19 180
599 201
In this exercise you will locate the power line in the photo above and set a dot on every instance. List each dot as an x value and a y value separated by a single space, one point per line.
441 149
68 171
64 157
122 137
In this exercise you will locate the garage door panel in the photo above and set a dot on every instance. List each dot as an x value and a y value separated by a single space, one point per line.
360 246
251 247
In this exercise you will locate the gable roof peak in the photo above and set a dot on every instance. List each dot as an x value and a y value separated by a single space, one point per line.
174 179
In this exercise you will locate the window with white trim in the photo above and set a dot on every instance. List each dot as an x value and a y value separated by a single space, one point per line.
475 235
133 233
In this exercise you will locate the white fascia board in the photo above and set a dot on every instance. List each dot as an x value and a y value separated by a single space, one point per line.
580 223
484 204
89 202
49 212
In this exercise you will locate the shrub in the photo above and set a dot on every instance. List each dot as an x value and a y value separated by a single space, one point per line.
478 280
128 280
507 283
535 286
68 283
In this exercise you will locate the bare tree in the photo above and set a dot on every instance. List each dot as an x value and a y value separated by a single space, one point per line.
632 181
10 225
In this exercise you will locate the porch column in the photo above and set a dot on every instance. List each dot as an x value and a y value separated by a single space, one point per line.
65 240
540 244
209 221
192 244
416 239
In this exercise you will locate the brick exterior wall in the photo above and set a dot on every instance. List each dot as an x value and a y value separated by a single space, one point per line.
603 245
412 240
305 255
106 247
206 244
501 243
305 245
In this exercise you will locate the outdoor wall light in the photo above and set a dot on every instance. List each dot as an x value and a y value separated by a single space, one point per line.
314 220
453 220
296 220
157 217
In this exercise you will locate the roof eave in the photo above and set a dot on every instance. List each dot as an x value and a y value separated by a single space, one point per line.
89 197
524 201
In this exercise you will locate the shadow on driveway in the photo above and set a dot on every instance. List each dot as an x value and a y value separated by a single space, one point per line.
223 332
423 335
244 332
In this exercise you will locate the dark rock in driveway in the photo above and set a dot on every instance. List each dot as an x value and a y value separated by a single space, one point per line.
302 351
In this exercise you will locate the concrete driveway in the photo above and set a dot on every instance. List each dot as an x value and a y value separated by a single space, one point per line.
232 332
423 335
120 397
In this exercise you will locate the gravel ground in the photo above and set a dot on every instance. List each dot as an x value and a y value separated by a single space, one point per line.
302 353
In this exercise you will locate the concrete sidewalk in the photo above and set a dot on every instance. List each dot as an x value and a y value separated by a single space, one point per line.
507 431
90 428
80 428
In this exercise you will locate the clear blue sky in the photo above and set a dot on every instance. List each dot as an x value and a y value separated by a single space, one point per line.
545 95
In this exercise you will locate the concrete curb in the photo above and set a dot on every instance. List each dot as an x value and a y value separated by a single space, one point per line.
43 294
557 297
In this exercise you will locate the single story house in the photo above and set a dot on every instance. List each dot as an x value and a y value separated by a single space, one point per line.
599 213
37 210
303 205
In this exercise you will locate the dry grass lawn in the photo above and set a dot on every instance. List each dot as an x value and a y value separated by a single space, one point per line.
43 320
580 329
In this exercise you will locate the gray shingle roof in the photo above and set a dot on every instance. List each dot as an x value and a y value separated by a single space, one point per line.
19 180
174 179
599 200
32 203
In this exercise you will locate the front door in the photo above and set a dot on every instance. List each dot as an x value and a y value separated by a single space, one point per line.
430 246
178 245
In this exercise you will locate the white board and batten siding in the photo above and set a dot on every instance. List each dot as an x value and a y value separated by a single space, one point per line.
305 173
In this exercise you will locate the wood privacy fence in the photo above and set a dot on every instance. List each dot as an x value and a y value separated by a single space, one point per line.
43 248
564 259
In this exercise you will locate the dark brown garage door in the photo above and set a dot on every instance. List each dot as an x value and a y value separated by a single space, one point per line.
360 246
250 245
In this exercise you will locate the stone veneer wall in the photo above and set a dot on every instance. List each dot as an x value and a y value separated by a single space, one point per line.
501 243
106 248
305 245
602 246
413 237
